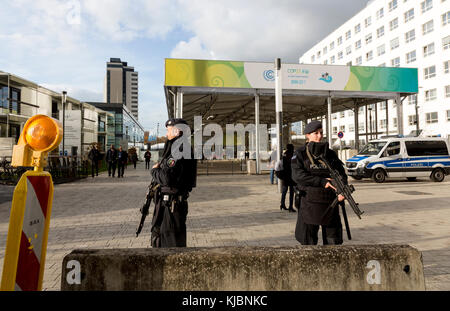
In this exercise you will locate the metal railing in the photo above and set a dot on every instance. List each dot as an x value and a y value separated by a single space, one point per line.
62 168
217 167
10 175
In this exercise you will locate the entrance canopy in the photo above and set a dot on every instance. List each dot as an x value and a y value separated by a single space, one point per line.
233 92
224 91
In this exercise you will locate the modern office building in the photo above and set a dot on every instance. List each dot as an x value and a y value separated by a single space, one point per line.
122 127
121 85
394 33
21 99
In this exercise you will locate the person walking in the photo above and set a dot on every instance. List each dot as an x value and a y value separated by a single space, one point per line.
273 161
147 157
111 159
284 173
176 177
317 191
94 156
134 158
122 160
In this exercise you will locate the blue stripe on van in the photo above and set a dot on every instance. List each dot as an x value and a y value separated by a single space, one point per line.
356 158
392 164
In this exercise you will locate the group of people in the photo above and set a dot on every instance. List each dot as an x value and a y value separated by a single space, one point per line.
117 158
301 171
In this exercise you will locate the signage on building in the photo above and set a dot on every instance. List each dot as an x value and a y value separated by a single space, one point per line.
72 131
235 74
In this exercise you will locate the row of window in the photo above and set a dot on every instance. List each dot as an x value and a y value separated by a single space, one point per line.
410 57
430 118
412 100
409 36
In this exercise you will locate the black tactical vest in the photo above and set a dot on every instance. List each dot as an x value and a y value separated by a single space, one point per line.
316 200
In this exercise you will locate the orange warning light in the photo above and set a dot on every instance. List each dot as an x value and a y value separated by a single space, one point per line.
40 135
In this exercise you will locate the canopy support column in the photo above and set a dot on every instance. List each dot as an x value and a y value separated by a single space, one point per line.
279 111
258 161
179 105
329 132
376 120
356 118
399 105
387 118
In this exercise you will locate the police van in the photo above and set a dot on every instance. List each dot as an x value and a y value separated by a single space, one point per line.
408 157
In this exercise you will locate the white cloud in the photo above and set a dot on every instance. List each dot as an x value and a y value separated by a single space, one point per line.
191 49
123 20
257 30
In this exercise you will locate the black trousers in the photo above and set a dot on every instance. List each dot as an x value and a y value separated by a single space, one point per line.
147 164
284 190
307 234
120 168
112 168
171 224
94 168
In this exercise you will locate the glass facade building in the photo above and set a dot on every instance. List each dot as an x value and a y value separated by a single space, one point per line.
122 127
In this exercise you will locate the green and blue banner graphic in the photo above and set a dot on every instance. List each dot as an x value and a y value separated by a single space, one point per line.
237 74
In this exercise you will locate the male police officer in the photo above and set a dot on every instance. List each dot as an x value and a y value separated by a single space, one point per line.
176 176
313 181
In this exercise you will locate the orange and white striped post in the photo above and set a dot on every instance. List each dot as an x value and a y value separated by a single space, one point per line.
26 245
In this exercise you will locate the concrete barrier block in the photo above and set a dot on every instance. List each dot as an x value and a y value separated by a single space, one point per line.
346 267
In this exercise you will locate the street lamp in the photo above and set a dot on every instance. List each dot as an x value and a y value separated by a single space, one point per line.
64 99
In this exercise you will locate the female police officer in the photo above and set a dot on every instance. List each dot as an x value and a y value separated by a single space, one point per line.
317 192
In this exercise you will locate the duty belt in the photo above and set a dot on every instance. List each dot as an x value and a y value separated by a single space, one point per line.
172 199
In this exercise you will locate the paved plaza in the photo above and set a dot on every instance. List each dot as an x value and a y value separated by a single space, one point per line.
238 210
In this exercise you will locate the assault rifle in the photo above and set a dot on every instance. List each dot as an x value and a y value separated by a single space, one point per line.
145 208
341 188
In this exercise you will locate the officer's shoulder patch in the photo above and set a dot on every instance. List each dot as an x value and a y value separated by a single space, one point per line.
171 162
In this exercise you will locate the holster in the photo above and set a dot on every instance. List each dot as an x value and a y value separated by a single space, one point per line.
298 194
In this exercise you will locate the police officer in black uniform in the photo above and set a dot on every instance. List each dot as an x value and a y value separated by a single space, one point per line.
316 189
176 176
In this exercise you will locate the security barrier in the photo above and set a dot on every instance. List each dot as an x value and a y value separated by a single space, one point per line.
345 267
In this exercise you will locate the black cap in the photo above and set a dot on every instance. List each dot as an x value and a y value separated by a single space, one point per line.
172 122
312 126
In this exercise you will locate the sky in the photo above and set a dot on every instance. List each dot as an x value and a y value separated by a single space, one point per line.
65 44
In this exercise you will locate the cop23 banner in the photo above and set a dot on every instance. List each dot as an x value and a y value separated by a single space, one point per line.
237 74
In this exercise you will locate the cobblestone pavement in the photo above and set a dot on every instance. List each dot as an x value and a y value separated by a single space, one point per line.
226 210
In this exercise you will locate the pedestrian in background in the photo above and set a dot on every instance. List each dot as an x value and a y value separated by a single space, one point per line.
134 158
111 159
273 161
122 159
94 156
284 173
147 156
